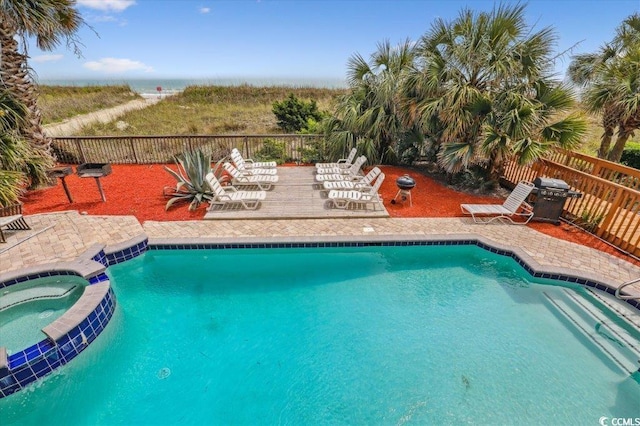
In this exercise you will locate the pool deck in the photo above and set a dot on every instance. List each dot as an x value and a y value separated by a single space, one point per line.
297 195
62 237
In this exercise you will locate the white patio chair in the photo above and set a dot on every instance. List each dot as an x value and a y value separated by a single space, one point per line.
342 163
342 199
264 182
360 185
352 173
250 164
230 195
246 168
514 207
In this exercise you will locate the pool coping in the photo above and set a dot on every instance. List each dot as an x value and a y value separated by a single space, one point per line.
525 260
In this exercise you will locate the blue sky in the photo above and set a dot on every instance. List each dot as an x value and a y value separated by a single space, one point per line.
306 39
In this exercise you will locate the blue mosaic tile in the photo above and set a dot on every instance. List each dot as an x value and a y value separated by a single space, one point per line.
53 358
32 353
41 367
17 359
23 374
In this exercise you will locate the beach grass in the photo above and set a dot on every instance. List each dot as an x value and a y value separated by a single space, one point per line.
58 103
216 110
219 110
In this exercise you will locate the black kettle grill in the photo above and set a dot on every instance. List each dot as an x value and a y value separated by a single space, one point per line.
405 184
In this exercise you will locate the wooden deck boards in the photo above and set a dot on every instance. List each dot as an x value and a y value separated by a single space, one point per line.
296 195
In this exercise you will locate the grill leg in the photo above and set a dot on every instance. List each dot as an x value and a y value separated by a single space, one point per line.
100 189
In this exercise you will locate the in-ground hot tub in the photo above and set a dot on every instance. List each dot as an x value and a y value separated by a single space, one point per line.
28 307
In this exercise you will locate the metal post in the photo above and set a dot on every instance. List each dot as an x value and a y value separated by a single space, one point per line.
100 189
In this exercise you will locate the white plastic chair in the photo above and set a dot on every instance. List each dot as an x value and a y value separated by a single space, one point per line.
514 207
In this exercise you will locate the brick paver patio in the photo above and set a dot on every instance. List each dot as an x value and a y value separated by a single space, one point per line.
59 237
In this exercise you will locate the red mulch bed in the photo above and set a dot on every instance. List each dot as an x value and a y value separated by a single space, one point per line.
137 190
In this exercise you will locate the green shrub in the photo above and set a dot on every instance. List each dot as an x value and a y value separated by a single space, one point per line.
293 114
272 150
631 155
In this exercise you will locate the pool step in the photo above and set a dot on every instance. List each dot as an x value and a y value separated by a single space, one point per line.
12 299
624 311
617 343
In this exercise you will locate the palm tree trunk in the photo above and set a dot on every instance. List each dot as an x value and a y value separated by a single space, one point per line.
625 131
15 76
605 142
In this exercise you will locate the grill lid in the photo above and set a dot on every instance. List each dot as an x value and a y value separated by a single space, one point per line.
405 182
548 183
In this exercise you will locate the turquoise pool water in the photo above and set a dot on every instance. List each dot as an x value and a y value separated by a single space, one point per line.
26 308
376 335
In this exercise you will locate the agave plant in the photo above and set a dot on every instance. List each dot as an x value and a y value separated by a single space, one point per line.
193 166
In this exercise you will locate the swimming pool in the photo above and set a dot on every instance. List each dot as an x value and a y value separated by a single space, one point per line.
350 335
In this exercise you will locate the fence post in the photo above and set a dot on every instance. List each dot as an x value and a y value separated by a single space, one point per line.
597 166
82 154
615 204
133 150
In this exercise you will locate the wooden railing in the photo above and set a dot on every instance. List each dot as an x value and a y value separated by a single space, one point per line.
609 207
613 172
162 149
606 208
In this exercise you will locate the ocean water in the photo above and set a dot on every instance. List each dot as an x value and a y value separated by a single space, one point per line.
371 336
150 86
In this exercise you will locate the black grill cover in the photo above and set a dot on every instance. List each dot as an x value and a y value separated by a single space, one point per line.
548 183
405 182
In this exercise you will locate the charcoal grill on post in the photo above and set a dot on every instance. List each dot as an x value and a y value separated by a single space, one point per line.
96 171
549 197
405 184
61 173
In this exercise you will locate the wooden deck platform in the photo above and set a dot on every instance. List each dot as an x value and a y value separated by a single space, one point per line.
296 195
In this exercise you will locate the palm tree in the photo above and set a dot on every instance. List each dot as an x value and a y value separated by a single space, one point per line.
370 111
14 150
611 78
482 88
50 22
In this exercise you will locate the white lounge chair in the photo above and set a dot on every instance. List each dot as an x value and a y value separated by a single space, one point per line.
343 163
250 164
514 207
230 195
264 182
245 167
352 173
361 185
343 199
12 218
337 168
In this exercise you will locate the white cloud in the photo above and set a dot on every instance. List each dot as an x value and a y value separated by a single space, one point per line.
115 5
103 18
46 58
205 10
116 65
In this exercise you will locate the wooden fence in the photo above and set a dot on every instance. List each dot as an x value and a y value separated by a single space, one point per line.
162 149
613 172
607 208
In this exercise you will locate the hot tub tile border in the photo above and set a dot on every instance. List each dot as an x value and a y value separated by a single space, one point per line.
42 358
